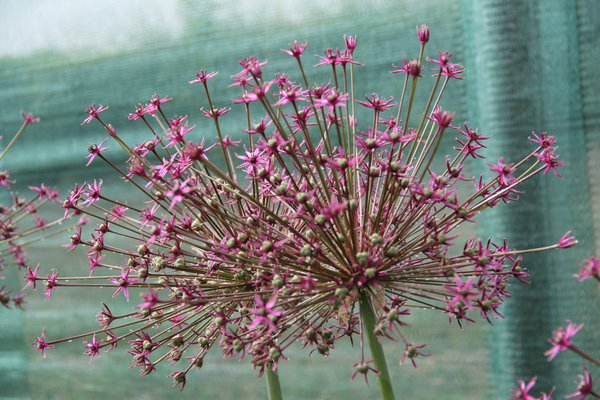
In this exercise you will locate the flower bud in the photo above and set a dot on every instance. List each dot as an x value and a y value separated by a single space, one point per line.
267 245
237 345
142 249
177 340
277 281
376 239
301 197
362 258
274 354
370 273
341 293
306 250
159 263
423 33
323 349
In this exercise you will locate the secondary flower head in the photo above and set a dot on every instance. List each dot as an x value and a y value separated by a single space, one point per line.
21 223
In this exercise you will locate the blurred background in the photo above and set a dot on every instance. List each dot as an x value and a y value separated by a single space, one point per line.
530 65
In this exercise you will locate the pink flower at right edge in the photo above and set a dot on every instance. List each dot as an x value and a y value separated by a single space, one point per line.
521 392
561 339
589 269
584 388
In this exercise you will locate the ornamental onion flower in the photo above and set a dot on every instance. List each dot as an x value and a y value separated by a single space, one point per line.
589 269
561 339
318 226
523 389
21 224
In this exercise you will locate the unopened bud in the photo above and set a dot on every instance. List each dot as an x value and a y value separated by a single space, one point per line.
341 293
423 33
376 239
362 258
370 273
177 340
277 281
274 354
306 250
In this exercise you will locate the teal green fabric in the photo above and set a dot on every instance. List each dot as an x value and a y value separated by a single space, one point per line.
530 61
530 65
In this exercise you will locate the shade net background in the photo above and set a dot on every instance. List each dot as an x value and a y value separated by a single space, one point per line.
530 65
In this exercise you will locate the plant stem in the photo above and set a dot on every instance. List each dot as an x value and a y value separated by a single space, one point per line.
273 387
368 319
585 355
14 139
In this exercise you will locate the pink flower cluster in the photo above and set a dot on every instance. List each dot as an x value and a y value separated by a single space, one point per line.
562 340
21 224
273 236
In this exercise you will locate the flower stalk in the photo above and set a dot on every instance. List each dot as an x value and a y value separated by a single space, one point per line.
273 385
377 353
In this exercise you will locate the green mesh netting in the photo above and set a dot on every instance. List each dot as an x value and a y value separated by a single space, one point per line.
530 73
531 65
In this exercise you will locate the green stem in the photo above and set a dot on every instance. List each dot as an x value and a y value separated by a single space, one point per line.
14 139
585 355
368 319
273 387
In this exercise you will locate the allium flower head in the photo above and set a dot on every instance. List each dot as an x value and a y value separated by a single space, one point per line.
321 226
21 224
